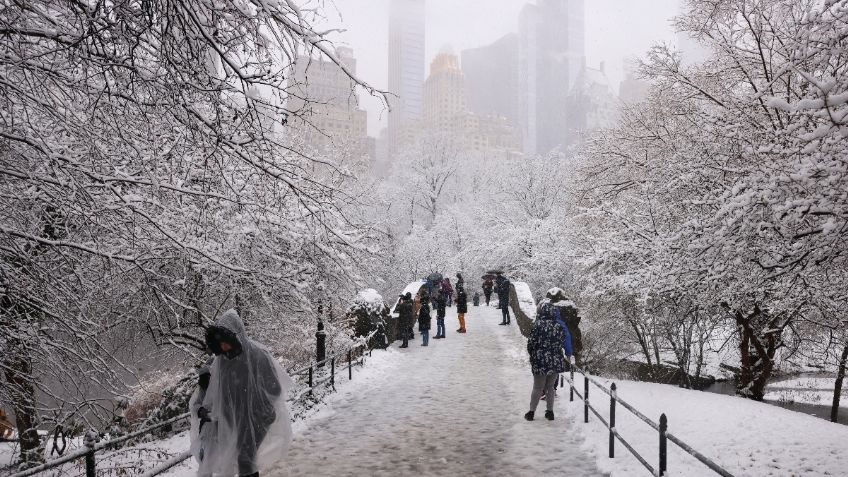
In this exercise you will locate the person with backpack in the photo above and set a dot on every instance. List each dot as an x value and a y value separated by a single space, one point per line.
545 346
440 317
502 288
239 421
461 306
556 298
424 323
405 316
488 287
447 290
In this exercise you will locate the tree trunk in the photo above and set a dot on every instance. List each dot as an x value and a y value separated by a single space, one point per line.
20 380
837 387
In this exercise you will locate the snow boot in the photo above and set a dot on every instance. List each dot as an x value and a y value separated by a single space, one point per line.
549 415
529 415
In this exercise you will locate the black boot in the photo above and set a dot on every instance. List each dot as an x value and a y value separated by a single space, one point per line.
529 415
549 415
255 474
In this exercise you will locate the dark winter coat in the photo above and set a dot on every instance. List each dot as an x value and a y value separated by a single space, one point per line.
545 346
440 308
461 301
405 312
502 289
447 289
488 286
424 318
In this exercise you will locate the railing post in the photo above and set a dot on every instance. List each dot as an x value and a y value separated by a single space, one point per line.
90 439
663 454
320 344
310 380
585 398
571 387
349 366
613 395
333 372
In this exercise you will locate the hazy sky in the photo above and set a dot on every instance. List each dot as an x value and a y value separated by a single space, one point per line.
615 29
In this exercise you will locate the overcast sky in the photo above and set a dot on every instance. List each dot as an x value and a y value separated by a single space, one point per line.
615 29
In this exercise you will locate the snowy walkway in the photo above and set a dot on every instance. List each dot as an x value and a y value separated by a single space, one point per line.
454 408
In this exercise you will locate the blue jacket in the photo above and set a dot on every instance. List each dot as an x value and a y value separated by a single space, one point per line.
566 342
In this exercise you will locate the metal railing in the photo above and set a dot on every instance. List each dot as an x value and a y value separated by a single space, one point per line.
91 439
661 427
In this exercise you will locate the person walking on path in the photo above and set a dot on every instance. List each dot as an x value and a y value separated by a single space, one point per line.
239 422
502 288
545 347
556 298
461 307
447 290
488 287
405 316
424 323
440 317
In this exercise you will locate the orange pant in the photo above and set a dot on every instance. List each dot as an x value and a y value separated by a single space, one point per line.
461 321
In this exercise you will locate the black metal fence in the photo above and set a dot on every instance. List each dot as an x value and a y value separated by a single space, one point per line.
355 355
662 427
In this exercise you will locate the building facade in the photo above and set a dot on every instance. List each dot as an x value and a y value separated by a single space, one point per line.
491 78
327 106
444 93
551 51
406 69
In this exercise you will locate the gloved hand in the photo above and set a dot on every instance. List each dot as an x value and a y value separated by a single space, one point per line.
203 414
203 379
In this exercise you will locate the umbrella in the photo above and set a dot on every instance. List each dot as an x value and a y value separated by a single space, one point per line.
493 272
488 277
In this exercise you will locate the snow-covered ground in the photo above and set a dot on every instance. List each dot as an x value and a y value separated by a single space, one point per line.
747 438
455 408
806 390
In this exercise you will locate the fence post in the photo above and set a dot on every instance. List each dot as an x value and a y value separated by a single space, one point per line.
571 387
90 439
310 380
349 366
585 398
663 455
320 344
333 372
613 395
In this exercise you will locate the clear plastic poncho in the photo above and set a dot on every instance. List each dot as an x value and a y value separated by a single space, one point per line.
249 427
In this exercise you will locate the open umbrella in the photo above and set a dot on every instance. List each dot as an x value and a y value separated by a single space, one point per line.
488 277
493 272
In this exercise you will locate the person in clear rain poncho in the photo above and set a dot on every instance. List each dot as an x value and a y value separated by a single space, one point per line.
240 423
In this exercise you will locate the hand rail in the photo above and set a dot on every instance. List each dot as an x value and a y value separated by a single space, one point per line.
662 427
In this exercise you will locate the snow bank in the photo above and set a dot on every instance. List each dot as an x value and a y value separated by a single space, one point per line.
411 288
370 300
806 390
743 436
526 303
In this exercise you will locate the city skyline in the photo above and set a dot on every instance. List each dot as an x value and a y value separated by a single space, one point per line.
615 30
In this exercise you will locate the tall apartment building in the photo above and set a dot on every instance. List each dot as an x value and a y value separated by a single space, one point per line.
406 69
592 103
491 78
444 93
551 49
324 97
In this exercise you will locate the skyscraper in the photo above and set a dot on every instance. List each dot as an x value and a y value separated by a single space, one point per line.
551 49
328 107
406 68
444 93
491 78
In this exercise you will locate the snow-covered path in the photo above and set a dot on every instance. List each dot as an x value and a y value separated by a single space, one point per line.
453 408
